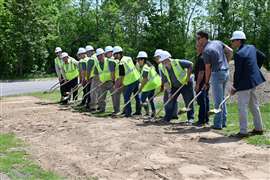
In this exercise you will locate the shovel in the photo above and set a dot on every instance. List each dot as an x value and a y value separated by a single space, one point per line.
187 109
80 91
167 102
53 88
72 91
216 111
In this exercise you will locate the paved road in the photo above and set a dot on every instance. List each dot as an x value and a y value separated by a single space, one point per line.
22 87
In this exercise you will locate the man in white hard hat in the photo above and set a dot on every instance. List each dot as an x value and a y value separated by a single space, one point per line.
166 95
90 51
105 77
216 56
70 73
150 81
247 77
176 73
128 77
58 64
83 61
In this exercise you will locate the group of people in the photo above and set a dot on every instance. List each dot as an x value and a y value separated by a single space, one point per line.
101 71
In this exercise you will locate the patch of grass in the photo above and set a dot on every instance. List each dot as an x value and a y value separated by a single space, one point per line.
16 163
53 97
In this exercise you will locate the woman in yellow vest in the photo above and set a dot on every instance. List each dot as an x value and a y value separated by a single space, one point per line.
176 73
129 78
71 73
150 81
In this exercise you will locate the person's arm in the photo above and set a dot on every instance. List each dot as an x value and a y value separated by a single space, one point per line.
208 68
228 52
199 81
237 73
112 70
187 65
121 74
144 80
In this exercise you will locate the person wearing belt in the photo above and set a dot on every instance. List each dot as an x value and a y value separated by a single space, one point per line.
58 64
150 81
247 77
175 73
83 60
129 78
165 95
216 56
105 78
71 73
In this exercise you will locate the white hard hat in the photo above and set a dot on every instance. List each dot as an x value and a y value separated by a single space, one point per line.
238 35
99 51
108 49
142 54
89 48
157 52
64 54
164 55
81 51
57 50
117 49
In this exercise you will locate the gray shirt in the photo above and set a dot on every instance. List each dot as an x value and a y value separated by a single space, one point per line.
213 54
175 83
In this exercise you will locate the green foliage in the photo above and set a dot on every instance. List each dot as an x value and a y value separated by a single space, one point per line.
31 29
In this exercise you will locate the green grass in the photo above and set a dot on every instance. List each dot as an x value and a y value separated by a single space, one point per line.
232 124
16 163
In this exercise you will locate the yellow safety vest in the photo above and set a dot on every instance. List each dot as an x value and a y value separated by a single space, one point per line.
153 79
70 69
58 62
131 73
180 73
104 74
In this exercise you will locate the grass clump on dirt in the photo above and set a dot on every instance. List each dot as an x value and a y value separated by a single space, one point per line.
16 163
232 116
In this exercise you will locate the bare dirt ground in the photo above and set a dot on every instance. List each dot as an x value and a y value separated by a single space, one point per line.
78 146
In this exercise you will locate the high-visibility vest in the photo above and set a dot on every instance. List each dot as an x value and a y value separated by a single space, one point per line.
116 67
153 79
180 73
104 74
70 69
131 73
58 62
84 61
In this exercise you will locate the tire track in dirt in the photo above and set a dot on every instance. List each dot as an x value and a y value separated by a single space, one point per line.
79 146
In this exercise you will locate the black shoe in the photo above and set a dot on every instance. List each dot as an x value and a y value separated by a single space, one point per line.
153 114
239 135
93 110
198 124
215 128
256 132
163 121
136 114
175 117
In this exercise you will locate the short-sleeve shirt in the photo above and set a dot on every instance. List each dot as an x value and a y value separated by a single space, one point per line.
174 81
199 66
111 66
90 66
213 54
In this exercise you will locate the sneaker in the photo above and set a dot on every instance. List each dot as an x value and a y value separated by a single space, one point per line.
239 135
136 114
256 132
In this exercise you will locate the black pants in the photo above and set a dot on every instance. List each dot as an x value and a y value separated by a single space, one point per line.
203 102
86 99
62 87
70 85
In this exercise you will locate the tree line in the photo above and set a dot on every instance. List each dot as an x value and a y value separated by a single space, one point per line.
31 29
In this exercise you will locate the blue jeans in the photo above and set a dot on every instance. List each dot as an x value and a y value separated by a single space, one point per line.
149 95
128 90
203 102
188 94
219 80
175 108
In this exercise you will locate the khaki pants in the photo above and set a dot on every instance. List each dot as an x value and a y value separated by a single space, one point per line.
94 94
247 98
107 86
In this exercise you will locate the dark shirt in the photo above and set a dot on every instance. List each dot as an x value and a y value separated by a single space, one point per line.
199 66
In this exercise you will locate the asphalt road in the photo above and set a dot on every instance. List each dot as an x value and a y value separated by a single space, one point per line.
22 87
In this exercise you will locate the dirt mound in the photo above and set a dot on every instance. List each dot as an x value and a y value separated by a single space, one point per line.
77 146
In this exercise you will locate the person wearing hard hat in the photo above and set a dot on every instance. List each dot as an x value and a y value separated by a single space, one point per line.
216 56
175 73
83 61
150 81
247 77
90 51
71 73
58 64
129 78
105 77
166 95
